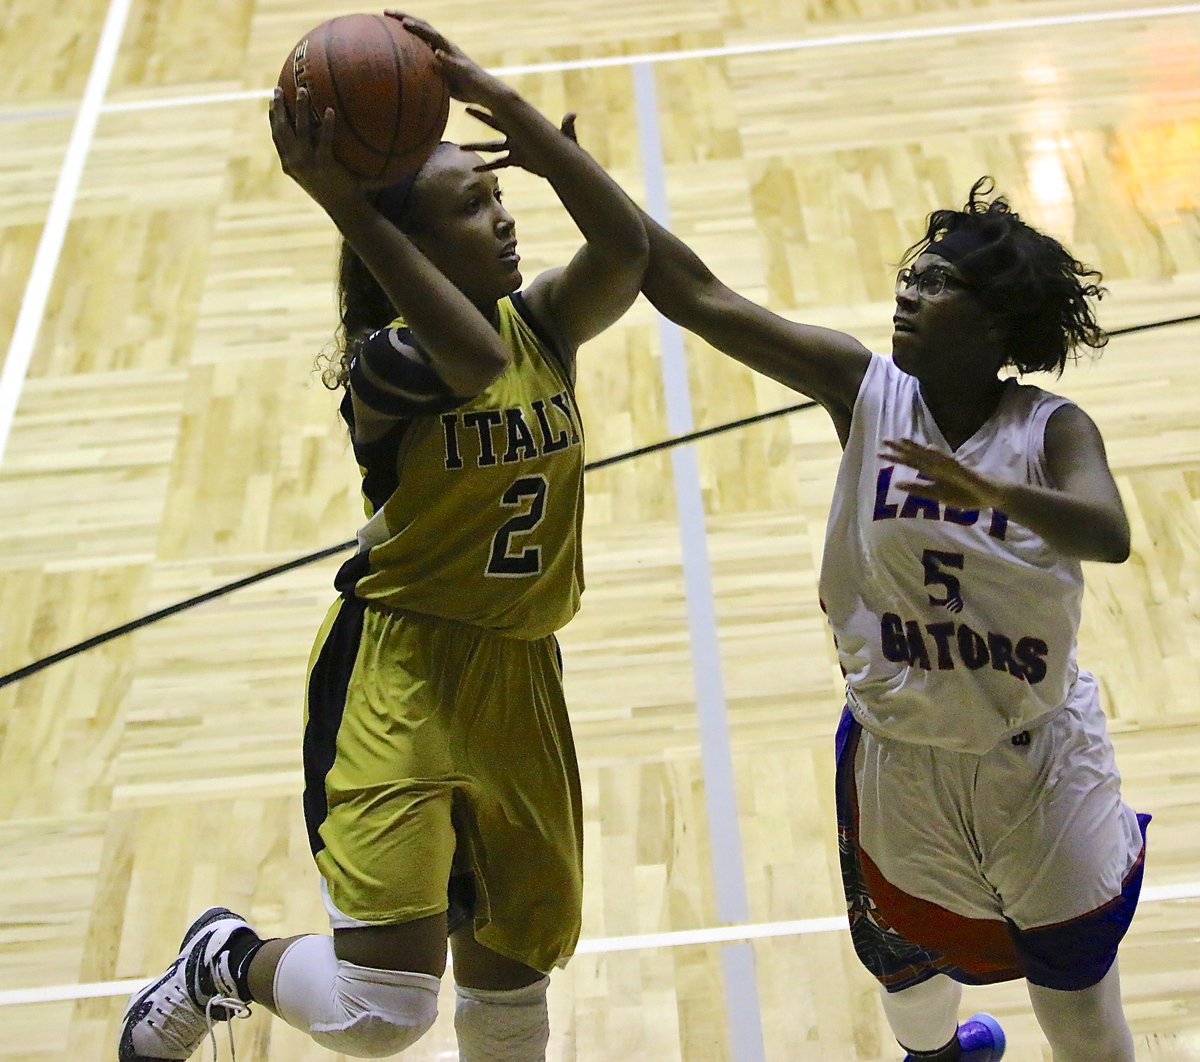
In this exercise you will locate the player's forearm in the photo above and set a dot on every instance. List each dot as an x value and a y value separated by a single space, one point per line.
609 221
1073 526
676 279
606 217
461 343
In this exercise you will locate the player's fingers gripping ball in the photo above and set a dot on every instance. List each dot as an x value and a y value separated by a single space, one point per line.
384 85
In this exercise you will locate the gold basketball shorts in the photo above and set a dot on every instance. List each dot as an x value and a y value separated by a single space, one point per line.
431 748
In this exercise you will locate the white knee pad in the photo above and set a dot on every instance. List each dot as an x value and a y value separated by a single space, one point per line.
510 1026
356 1010
924 1017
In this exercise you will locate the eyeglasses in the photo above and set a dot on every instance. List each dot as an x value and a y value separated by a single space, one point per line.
928 282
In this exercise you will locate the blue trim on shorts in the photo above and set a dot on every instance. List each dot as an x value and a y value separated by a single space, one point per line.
1077 954
1068 956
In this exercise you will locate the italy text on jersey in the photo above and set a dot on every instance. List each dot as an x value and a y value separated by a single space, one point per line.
471 438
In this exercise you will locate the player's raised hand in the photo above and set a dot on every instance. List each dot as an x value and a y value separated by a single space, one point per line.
306 153
513 152
944 478
465 78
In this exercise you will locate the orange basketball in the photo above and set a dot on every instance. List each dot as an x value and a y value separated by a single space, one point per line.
383 84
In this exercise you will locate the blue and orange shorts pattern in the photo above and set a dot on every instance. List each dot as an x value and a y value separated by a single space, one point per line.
904 938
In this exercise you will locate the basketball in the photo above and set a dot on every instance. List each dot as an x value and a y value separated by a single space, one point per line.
384 86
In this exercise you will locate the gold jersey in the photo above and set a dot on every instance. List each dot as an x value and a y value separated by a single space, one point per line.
475 514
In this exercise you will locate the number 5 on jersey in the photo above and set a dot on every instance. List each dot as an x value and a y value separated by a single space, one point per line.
510 558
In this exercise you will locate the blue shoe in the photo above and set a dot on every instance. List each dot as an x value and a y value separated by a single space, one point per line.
980 1039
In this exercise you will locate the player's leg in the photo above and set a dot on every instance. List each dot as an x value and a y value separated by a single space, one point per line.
915 902
378 804
1067 858
1087 1025
924 1020
378 808
421 943
379 820
500 1011
522 832
367 992
349 998
924 1017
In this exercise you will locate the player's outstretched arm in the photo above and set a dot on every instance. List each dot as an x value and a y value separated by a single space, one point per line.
581 299
822 363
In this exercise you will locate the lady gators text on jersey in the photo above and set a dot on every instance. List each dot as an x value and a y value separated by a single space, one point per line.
937 646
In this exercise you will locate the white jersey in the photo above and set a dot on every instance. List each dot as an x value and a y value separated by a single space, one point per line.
955 628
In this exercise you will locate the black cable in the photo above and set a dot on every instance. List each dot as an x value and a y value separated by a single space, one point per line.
170 610
1153 324
311 558
692 436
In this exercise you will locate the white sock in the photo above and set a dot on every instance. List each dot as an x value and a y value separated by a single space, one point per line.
924 1017
510 1026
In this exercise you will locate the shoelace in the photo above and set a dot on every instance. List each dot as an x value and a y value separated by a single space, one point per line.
239 1009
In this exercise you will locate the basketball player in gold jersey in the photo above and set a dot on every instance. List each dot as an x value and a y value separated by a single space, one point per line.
437 752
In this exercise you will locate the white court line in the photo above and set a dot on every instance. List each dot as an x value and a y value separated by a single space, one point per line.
838 40
842 40
599 946
32 308
45 262
740 982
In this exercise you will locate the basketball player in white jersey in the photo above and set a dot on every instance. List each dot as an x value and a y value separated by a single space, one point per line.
981 829
438 756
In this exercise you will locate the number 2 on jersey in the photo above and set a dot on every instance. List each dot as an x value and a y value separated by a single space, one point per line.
526 560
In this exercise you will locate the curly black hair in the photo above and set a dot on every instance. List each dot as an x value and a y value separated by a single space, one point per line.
364 308
1026 279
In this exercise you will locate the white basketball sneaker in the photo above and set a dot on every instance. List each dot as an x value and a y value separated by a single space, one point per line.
170 1017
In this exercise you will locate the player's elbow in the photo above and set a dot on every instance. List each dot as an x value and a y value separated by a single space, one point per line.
639 249
623 268
1111 543
1120 550
625 254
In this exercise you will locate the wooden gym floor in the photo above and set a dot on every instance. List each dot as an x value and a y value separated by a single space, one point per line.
166 289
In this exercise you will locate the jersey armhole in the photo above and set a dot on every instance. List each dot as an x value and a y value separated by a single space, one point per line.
878 364
536 327
1039 471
